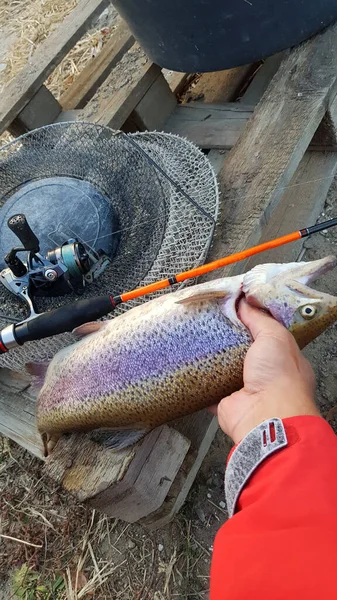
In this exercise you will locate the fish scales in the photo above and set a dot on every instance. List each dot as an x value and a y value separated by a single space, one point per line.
197 350
174 355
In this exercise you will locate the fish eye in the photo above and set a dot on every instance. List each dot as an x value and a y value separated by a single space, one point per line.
308 311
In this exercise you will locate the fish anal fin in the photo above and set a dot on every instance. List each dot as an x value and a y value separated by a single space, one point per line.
88 328
117 439
203 297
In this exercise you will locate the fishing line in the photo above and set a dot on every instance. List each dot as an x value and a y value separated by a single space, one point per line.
238 198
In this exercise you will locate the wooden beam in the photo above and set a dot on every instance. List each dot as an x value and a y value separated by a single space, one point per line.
300 206
221 86
96 71
264 160
47 56
325 138
177 81
154 109
209 125
124 88
200 429
41 110
17 410
262 78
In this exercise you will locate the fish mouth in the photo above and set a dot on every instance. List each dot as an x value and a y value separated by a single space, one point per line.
309 272
277 275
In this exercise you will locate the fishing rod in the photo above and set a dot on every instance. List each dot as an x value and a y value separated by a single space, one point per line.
73 315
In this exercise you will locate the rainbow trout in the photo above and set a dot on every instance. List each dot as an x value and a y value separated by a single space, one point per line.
173 355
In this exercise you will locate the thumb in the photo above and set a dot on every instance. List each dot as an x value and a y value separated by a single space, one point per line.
257 320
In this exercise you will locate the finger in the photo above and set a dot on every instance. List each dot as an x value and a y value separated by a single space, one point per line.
213 409
258 321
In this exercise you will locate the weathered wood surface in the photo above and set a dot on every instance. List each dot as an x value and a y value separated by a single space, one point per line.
262 163
325 137
48 55
155 107
209 125
300 205
119 94
128 484
17 411
200 430
262 78
221 86
177 81
41 110
96 71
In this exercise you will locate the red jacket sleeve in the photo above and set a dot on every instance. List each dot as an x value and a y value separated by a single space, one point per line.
281 544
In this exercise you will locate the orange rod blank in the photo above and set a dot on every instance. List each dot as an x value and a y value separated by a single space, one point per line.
212 266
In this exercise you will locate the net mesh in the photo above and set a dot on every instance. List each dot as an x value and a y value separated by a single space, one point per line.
162 231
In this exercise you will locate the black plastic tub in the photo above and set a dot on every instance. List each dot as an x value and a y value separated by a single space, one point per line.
211 35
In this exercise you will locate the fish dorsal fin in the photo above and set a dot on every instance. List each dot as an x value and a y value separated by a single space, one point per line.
88 328
203 296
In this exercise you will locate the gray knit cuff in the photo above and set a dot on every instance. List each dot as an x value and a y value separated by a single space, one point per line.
258 444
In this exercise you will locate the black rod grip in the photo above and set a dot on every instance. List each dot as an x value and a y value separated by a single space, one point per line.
19 225
63 319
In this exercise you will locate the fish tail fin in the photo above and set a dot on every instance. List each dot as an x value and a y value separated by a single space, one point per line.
38 372
117 439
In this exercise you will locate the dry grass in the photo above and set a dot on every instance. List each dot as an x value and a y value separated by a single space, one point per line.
28 23
31 26
61 550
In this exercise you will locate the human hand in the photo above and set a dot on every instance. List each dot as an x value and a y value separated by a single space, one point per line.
278 380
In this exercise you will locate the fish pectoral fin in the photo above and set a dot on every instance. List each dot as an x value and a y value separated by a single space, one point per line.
203 296
88 328
117 439
38 372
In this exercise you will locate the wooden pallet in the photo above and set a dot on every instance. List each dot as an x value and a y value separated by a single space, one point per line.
273 147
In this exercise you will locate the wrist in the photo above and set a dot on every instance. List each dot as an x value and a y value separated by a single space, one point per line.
272 404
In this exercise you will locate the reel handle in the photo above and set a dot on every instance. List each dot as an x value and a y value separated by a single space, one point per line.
19 225
62 319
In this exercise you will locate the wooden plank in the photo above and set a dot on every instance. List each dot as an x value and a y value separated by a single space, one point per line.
262 78
128 484
325 138
221 86
155 107
93 75
300 205
264 160
177 81
209 126
41 110
120 93
200 429
251 97
17 410
47 56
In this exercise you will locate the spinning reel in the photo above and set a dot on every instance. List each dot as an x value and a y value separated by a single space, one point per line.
64 269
